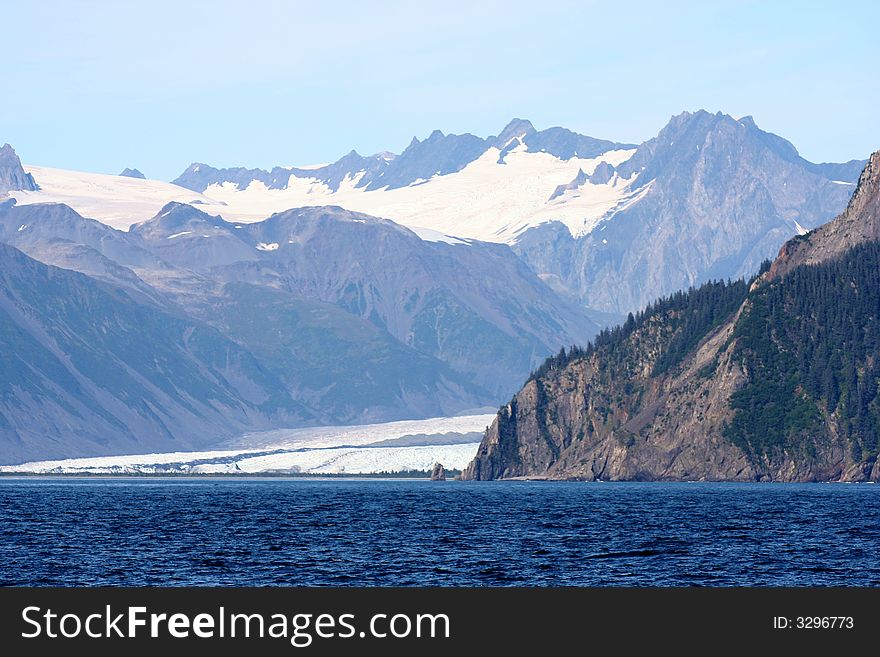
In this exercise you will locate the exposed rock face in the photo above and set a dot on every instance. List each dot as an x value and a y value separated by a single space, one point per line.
584 422
12 175
438 472
132 173
710 197
578 181
634 408
602 174
716 197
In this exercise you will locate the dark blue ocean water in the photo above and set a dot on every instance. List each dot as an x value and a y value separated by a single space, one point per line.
379 532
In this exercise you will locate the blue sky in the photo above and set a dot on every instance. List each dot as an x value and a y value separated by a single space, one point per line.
156 85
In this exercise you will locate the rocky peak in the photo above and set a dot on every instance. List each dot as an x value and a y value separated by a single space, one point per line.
197 177
350 157
576 183
174 218
515 129
438 155
132 173
13 177
681 143
197 167
865 201
602 174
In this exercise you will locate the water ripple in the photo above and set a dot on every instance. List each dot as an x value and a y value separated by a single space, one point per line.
276 532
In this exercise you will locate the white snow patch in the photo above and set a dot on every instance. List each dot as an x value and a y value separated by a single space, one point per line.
428 235
627 202
842 182
186 232
267 246
22 227
117 201
800 229
483 201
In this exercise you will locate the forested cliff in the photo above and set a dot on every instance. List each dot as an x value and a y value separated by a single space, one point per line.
771 379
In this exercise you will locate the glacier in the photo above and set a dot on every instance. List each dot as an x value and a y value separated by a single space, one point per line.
386 447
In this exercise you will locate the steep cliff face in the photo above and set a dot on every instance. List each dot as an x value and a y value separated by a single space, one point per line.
608 415
775 380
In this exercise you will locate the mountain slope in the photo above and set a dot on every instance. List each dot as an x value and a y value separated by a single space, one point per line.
56 235
474 306
773 381
344 367
340 365
355 317
88 370
711 197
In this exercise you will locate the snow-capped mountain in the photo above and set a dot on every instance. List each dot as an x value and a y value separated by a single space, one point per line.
367 296
118 201
438 155
488 189
710 197
610 225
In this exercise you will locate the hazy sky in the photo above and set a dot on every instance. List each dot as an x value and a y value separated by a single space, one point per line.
156 85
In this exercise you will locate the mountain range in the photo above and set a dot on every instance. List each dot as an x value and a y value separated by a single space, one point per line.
315 315
375 288
609 225
774 379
